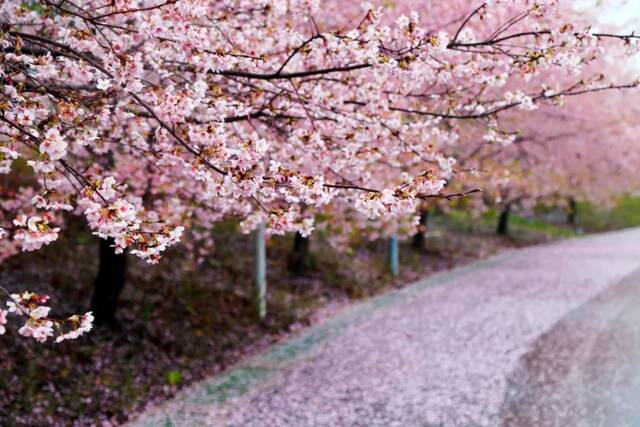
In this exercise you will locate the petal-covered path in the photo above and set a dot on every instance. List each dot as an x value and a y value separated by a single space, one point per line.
585 371
453 350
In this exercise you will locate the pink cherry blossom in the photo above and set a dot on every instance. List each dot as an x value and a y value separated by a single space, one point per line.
3 321
53 144
153 121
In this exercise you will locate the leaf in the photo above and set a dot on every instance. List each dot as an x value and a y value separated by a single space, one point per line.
174 377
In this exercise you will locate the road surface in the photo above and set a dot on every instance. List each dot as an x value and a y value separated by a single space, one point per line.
544 336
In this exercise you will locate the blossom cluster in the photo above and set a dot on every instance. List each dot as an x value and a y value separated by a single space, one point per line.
38 325
33 232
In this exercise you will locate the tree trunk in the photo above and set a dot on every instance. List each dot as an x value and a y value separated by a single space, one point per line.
300 255
503 221
418 238
573 211
108 283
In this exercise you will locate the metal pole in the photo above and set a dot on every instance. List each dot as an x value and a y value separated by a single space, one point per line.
261 272
394 263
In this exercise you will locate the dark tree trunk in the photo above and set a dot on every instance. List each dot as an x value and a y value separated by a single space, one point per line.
108 283
503 221
300 255
573 211
418 238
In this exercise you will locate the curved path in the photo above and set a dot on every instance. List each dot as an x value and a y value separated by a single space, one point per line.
507 341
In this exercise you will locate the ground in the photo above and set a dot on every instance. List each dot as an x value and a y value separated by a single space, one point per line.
583 372
544 336
180 323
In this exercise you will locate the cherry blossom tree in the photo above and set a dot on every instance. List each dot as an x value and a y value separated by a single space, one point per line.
586 152
151 117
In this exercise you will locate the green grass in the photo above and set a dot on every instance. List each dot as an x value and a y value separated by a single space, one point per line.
625 214
590 219
533 225
486 223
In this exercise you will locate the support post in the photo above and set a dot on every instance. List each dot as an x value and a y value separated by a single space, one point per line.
394 263
261 272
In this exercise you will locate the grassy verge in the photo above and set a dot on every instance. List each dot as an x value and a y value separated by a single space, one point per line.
626 213
520 227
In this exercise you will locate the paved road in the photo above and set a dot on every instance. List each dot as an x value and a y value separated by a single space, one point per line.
585 371
543 336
